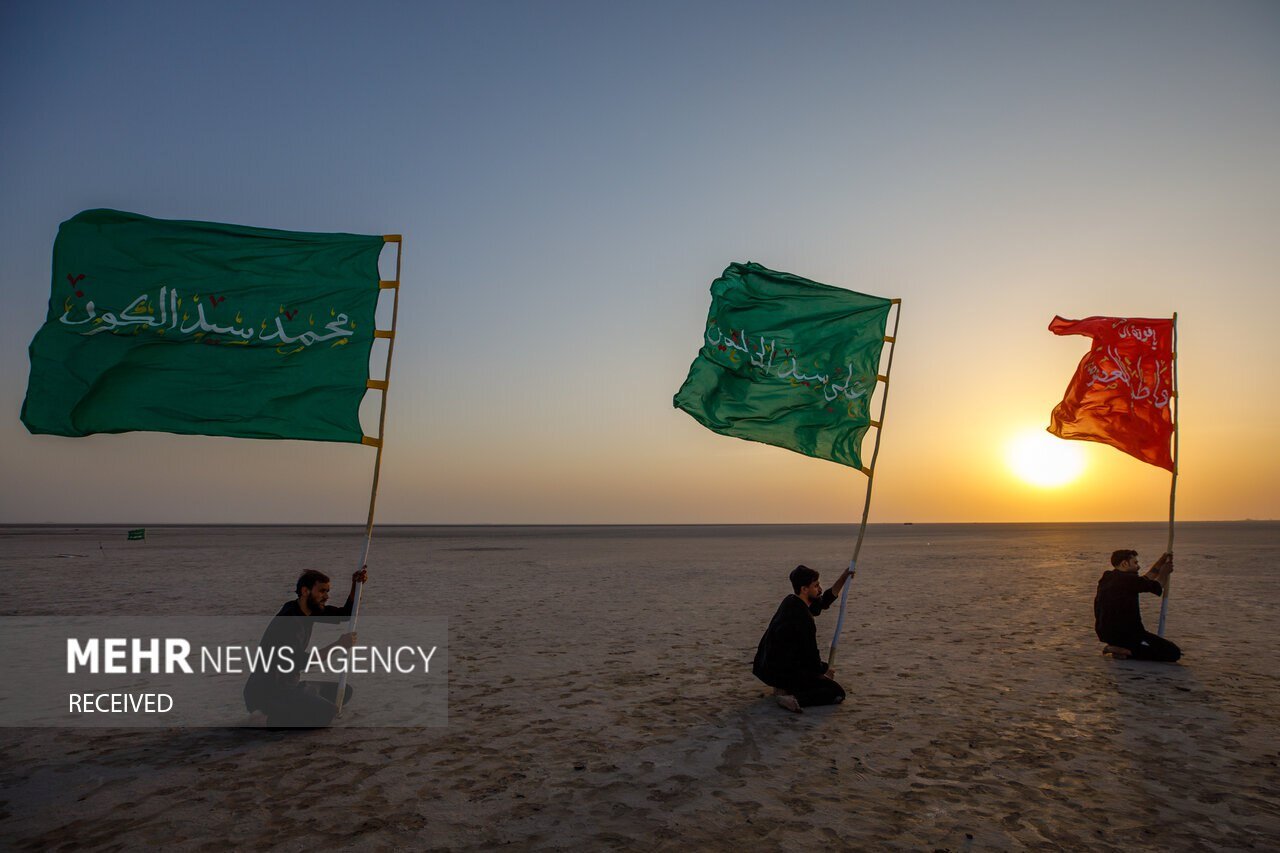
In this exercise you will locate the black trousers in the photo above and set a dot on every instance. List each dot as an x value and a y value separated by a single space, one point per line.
814 690
310 704
1147 646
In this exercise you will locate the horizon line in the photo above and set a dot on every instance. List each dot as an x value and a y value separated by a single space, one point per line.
135 524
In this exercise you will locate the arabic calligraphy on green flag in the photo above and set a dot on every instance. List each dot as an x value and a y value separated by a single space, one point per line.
138 533
202 328
787 361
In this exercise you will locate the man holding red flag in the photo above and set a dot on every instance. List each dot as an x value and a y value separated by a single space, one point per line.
1117 617
1124 394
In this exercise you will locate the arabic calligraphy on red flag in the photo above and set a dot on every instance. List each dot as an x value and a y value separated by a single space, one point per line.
1121 391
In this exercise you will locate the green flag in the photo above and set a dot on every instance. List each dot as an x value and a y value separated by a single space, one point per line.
205 329
138 533
787 361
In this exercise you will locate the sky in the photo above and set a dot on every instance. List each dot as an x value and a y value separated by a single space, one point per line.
570 177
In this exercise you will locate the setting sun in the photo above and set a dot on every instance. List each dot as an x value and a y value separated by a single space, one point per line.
1043 460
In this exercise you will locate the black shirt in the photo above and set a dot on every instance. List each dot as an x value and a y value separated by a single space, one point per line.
1116 616
289 629
789 647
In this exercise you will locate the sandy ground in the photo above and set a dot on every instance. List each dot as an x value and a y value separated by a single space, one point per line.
600 696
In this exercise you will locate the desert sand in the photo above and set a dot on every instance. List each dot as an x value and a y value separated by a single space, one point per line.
600 695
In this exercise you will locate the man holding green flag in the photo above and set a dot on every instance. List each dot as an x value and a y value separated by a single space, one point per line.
204 328
793 363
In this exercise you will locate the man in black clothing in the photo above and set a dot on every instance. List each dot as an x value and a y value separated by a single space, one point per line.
1117 617
278 690
787 658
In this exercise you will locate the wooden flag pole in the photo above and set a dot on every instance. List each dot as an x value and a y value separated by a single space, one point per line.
1173 486
379 385
870 472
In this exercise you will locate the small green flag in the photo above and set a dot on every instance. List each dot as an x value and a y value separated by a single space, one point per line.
205 329
138 533
789 362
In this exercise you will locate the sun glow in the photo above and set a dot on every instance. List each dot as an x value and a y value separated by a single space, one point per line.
1043 460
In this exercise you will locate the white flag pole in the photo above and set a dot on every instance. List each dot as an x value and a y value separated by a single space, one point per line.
1173 486
378 385
891 340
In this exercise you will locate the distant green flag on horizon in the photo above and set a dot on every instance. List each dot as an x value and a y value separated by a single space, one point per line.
201 328
789 362
138 533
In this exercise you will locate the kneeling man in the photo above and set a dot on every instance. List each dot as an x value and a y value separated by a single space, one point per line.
280 691
1117 618
788 658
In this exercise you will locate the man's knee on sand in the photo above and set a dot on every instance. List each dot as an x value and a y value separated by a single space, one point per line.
1148 648
817 690
1157 649
311 704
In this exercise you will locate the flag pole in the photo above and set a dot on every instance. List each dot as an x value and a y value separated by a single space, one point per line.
891 340
378 385
1173 485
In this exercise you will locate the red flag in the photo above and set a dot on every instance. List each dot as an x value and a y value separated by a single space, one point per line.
1122 389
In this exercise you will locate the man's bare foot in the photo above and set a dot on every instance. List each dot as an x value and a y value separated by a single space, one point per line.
786 700
1117 652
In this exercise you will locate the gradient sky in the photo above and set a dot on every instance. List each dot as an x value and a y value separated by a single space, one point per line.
570 177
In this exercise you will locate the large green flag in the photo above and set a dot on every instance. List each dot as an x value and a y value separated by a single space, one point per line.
789 362
203 328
